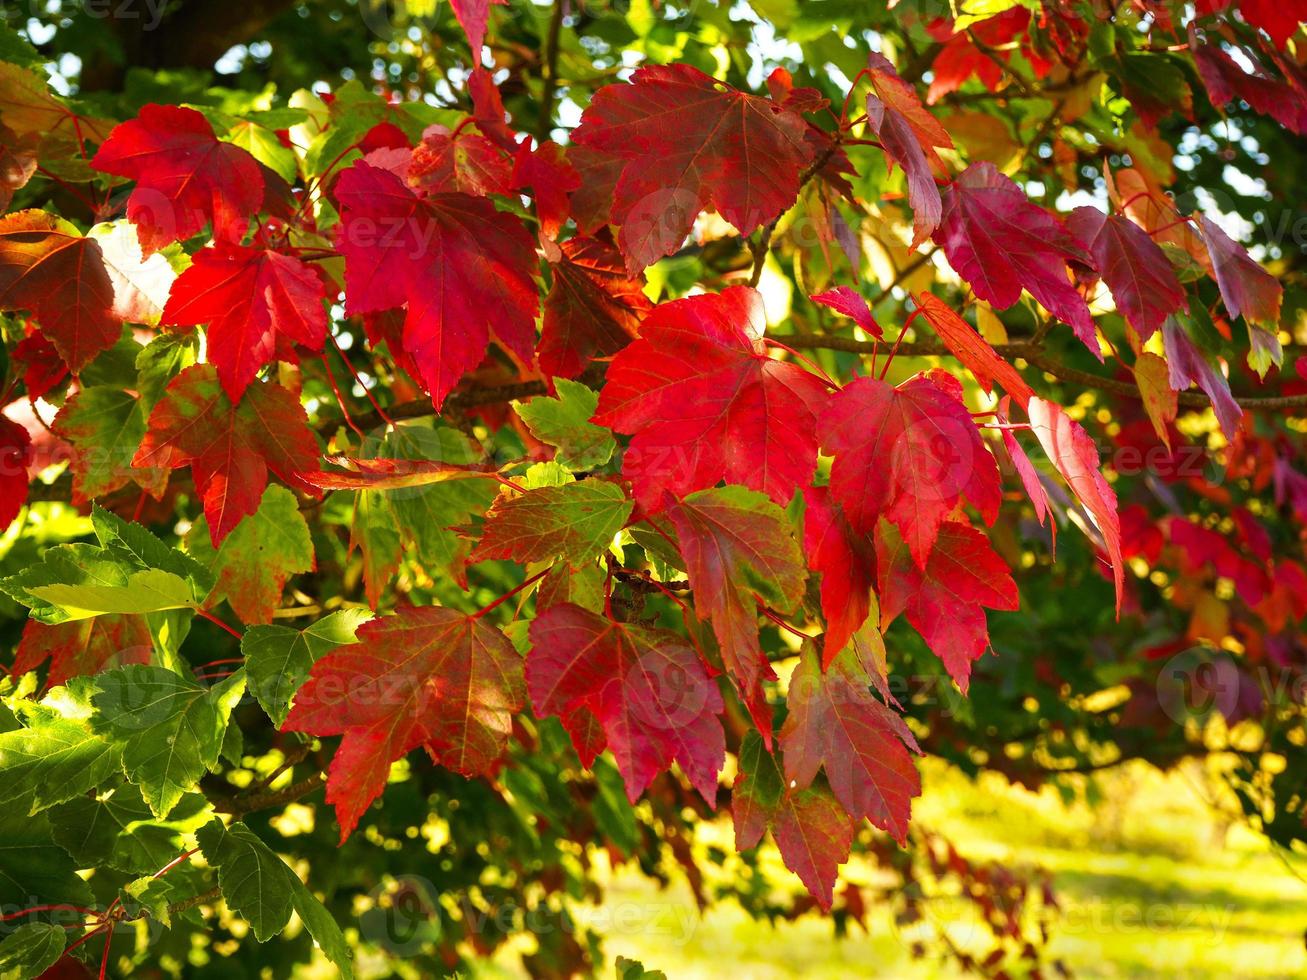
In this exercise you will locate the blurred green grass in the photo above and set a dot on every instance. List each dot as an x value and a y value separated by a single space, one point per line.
1154 880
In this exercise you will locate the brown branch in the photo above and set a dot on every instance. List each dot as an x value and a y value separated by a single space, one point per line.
925 348
186 904
549 72
240 806
460 400
1032 353
764 240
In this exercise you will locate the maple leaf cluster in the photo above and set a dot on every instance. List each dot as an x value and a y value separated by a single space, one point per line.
752 492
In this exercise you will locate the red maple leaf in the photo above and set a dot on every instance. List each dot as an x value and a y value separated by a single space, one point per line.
1074 454
593 309
812 831
961 57
1000 242
647 688
48 267
836 723
592 202
1278 19
781 87
943 597
432 677
739 548
15 455
83 646
704 402
688 142
551 177
255 302
185 177
1199 546
229 447
1247 289
1262 88
464 270
473 16
972 349
1141 277
846 301
846 560
909 454
43 366
464 161
908 135
488 110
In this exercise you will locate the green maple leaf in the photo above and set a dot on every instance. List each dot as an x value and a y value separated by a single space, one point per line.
575 521
31 950
55 755
259 887
278 658
131 571
170 728
252 565
564 423
105 425
33 869
53 761
119 829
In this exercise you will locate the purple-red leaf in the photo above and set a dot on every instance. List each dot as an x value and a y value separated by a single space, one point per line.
1141 277
836 722
1247 289
1189 366
1000 242
908 134
647 688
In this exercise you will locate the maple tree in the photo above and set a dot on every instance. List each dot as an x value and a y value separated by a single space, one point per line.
646 421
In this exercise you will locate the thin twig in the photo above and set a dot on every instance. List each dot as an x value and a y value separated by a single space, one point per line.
764 239
549 72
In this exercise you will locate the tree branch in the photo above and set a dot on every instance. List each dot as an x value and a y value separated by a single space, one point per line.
1032 352
186 904
459 400
240 806
764 240
549 72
